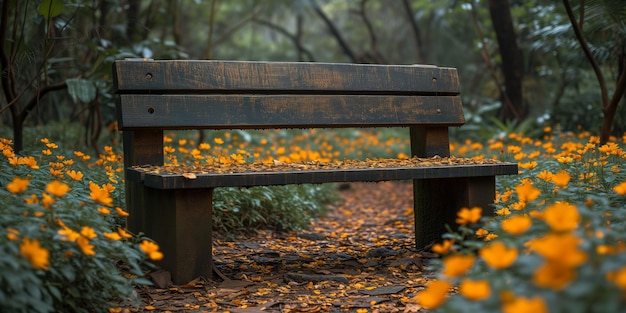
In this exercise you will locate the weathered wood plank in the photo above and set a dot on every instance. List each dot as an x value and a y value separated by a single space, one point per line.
173 181
263 111
199 76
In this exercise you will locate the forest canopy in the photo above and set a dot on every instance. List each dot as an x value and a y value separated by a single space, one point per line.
522 63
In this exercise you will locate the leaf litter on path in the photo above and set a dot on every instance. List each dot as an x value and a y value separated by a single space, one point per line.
361 257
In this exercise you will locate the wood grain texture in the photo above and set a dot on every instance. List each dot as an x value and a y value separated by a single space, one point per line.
175 181
197 76
284 111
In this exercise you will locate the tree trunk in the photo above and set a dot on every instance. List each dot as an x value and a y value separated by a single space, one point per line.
512 61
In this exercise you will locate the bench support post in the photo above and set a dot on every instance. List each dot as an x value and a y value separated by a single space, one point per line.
181 223
437 201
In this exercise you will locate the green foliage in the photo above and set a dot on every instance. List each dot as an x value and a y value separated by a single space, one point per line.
61 247
562 223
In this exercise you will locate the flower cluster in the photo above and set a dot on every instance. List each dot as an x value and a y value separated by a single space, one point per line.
58 232
557 242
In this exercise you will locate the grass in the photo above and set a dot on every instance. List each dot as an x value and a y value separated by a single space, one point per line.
63 212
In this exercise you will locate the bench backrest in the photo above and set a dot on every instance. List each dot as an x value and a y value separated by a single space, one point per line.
176 94
235 95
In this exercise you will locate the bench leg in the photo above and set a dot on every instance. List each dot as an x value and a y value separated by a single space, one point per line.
437 201
180 221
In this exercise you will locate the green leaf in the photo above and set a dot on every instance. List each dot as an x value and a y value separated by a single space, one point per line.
81 89
50 8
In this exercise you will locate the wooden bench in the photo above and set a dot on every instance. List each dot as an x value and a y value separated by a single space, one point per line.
173 95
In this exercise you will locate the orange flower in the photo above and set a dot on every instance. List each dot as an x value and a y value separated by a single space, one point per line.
516 225
620 189
46 200
104 211
57 188
526 191
618 278
560 248
434 295
12 233
124 233
75 175
99 194
561 216
85 246
553 275
18 185
456 265
561 178
88 232
523 305
151 249
475 290
67 234
466 216
497 255
444 247
37 255
112 236
121 212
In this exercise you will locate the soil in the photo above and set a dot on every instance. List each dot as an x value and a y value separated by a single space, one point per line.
361 257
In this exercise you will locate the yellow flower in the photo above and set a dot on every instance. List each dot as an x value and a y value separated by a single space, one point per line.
85 246
219 141
104 211
456 265
561 178
18 185
444 247
151 249
99 194
561 216
526 191
121 212
434 295
497 255
620 189
516 225
525 305
466 216
37 255
475 290
57 188
75 175
46 152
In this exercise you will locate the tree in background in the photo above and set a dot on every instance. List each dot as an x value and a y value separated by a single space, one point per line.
606 19
522 63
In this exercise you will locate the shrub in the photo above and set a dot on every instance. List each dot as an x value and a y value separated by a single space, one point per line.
558 242
61 246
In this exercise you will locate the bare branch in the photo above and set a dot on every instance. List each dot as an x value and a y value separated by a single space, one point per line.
287 34
40 93
587 51
417 36
7 73
335 32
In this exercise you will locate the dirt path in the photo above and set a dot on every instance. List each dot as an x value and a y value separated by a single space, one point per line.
360 258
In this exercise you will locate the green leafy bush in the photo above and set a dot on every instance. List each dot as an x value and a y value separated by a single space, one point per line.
558 242
61 246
